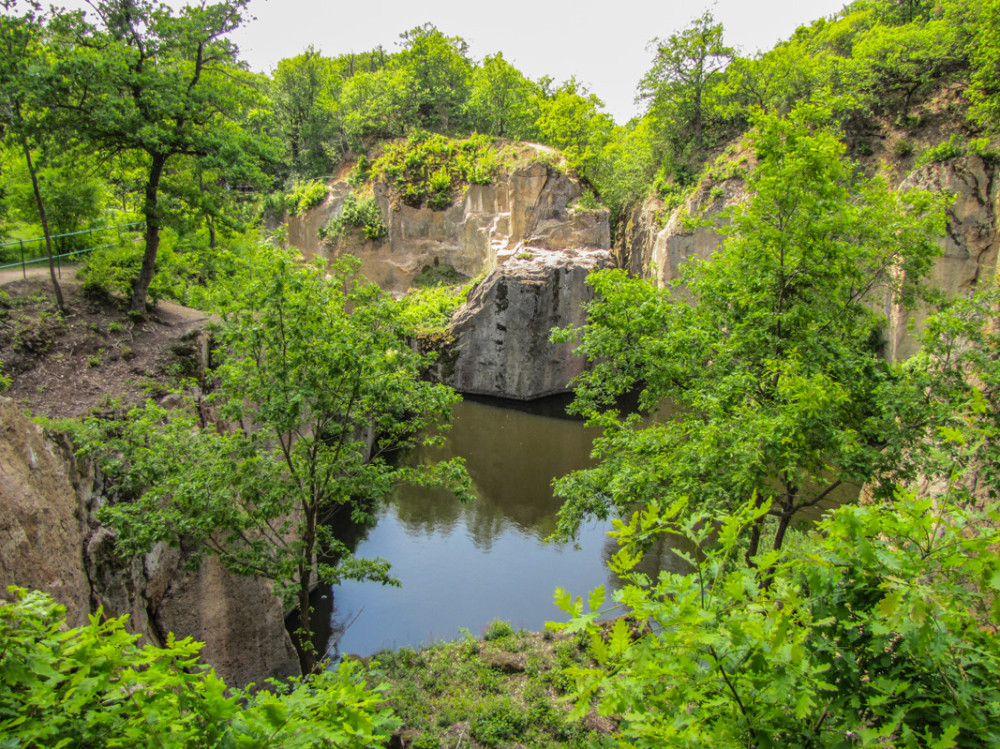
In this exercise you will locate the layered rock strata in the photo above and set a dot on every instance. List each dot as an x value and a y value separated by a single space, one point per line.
533 205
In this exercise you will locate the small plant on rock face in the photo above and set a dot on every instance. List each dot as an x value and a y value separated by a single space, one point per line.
360 214
944 151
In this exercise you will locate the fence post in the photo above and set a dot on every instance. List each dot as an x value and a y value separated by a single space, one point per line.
24 272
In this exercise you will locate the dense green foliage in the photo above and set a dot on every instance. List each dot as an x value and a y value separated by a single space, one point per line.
874 627
363 214
778 381
319 399
95 686
877 628
892 65
430 168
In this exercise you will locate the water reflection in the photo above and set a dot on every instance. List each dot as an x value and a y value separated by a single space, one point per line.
512 456
461 566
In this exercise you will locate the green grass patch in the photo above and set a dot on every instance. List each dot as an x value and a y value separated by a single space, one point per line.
467 690
435 296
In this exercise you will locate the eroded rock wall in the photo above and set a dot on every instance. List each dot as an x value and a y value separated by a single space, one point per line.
50 540
533 205
654 246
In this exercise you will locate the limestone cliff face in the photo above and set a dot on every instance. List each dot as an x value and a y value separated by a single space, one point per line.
501 334
51 540
653 246
43 528
532 205
654 243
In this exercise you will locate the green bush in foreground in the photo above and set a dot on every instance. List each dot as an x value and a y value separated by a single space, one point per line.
93 686
877 630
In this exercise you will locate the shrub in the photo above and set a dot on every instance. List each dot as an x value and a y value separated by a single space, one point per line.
306 195
431 168
86 686
903 148
498 629
944 151
361 172
497 723
360 214
983 147
428 310
110 271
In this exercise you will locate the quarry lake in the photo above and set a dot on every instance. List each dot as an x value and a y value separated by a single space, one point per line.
463 565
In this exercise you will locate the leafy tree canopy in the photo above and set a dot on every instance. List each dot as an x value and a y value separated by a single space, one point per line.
317 390
776 375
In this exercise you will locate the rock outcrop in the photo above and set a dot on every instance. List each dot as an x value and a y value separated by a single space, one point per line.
654 243
43 529
532 205
501 334
51 540
970 247
654 246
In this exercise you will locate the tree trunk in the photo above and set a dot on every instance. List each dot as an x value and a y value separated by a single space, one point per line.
754 543
305 583
151 213
45 225
304 635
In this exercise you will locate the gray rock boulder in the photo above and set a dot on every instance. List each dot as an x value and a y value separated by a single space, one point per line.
501 334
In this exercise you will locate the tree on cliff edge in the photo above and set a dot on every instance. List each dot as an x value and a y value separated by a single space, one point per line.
152 83
319 389
777 372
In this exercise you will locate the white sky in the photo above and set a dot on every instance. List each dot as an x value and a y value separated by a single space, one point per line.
602 43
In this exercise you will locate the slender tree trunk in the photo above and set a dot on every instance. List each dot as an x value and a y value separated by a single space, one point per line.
45 225
305 583
783 522
151 213
305 621
754 543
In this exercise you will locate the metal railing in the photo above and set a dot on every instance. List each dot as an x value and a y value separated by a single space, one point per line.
25 261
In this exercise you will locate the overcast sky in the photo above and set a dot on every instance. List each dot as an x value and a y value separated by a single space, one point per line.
604 44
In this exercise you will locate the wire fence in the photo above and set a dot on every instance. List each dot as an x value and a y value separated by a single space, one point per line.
32 251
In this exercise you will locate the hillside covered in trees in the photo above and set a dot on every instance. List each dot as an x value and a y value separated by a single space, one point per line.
873 624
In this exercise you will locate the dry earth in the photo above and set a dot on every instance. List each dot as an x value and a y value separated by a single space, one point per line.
67 365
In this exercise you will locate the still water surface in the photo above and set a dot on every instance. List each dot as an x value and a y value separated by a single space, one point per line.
463 565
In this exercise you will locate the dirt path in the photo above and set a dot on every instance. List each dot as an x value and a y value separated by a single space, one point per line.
168 313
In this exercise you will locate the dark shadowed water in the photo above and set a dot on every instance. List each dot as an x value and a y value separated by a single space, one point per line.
462 566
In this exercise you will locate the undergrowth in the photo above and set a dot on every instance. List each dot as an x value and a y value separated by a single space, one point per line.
430 169
503 691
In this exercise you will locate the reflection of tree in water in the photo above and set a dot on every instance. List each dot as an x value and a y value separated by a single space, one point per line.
512 456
